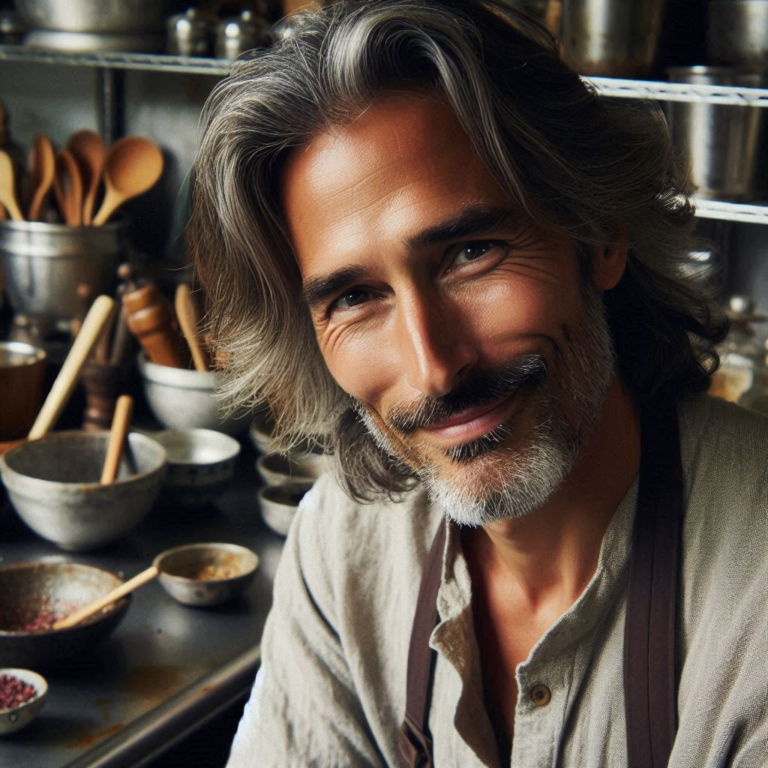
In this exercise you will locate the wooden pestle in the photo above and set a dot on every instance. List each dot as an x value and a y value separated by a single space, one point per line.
151 320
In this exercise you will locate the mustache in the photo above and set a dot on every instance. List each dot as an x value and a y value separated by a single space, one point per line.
480 387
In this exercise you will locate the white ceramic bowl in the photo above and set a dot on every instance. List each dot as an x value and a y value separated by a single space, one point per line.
279 504
279 468
54 486
201 464
15 719
180 398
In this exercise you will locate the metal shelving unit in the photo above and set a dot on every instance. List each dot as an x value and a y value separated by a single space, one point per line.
109 64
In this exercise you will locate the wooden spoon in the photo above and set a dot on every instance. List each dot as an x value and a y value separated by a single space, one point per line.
89 151
68 186
132 166
42 169
8 187
97 316
120 423
189 320
124 589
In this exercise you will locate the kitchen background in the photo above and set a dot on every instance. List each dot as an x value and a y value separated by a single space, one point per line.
704 59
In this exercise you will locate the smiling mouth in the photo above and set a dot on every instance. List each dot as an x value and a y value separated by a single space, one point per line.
471 424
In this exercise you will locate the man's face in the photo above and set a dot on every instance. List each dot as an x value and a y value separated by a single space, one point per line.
459 327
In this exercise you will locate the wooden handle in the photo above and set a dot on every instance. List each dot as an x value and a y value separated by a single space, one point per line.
65 382
186 311
120 423
121 591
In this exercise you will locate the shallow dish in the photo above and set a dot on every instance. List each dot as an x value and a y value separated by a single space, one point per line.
34 595
16 718
279 504
206 574
201 464
54 486
279 468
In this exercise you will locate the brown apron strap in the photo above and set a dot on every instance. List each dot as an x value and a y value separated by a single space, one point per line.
650 684
414 743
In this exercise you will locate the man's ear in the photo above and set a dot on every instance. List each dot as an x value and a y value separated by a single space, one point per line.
610 260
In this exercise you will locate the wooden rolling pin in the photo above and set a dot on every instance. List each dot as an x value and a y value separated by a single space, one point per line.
151 320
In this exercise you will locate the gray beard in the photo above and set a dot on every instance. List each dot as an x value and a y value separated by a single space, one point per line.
499 483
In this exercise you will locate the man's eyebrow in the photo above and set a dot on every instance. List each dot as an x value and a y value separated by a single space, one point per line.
471 222
317 290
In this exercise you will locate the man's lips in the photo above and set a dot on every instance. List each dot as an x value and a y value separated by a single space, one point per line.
473 423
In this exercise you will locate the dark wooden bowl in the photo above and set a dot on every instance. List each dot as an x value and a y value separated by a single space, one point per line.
32 592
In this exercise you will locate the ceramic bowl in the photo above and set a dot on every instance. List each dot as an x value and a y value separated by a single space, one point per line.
18 717
201 464
54 486
180 398
206 574
260 433
279 504
279 468
34 595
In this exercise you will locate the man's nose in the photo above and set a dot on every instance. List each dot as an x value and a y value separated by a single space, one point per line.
431 346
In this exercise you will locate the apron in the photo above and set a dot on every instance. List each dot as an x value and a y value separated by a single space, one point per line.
650 685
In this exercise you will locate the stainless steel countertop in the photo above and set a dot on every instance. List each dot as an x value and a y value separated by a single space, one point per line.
167 668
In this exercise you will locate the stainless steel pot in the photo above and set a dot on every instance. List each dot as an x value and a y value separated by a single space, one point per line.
611 38
45 265
95 15
721 144
738 32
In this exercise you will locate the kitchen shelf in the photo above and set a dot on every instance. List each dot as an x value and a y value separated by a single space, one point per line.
153 62
663 91
159 62
742 212
605 86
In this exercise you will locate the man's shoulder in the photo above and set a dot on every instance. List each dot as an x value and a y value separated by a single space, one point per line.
347 533
729 440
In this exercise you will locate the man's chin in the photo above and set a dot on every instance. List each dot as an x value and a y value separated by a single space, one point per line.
500 484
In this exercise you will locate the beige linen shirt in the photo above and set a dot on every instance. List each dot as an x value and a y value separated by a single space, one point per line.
331 691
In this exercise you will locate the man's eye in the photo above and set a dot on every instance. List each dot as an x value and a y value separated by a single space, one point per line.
352 299
472 251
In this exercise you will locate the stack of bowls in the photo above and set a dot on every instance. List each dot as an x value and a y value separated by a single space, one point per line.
287 478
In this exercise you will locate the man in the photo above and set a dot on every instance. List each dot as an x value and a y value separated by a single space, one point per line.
429 246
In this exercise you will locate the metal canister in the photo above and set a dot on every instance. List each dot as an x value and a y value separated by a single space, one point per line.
611 38
47 266
189 34
738 33
719 143
242 33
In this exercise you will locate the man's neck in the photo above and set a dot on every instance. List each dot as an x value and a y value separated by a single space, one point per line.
549 556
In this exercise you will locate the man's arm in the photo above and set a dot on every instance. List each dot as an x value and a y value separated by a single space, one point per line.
304 709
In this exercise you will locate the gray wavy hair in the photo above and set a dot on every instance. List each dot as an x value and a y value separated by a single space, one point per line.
576 163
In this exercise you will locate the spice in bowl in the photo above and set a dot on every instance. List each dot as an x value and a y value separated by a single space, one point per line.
22 694
14 692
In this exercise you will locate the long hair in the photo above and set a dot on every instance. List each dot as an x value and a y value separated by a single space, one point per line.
575 162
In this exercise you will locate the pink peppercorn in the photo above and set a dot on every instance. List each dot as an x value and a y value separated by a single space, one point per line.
14 692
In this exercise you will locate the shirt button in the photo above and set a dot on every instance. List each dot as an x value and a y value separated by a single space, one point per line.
540 695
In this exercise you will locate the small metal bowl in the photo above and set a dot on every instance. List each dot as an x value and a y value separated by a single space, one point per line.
201 464
206 574
16 718
279 504
30 591
279 468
